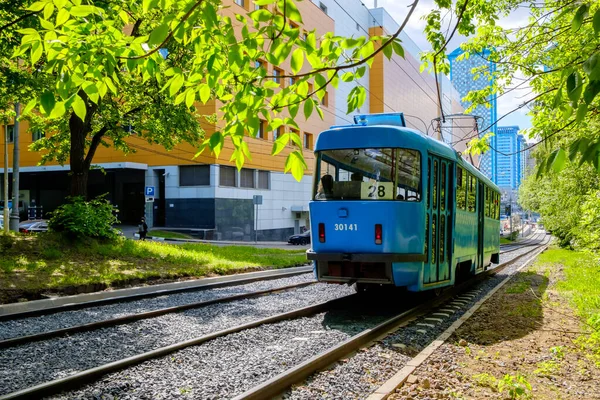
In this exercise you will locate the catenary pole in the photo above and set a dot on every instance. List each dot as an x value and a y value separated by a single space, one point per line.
14 218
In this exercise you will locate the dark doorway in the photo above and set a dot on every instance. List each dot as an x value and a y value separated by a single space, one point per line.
160 202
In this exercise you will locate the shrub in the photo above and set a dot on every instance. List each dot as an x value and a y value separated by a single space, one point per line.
80 219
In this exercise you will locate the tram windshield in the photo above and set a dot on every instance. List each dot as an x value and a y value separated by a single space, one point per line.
368 174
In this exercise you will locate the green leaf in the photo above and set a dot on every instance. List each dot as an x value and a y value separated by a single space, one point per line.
58 110
204 93
176 84
29 106
36 52
550 160
308 108
79 107
596 22
348 77
591 66
48 11
574 87
280 144
47 102
559 161
216 143
589 154
388 51
82 11
297 60
296 139
62 16
398 49
159 34
37 6
591 90
261 15
567 111
149 5
581 13
581 111
291 10
190 97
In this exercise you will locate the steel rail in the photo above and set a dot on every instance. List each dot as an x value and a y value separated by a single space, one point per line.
534 242
139 296
276 385
139 316
527 240
76 380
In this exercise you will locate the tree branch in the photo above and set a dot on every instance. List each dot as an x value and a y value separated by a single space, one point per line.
169 36
360 62
16 21
96 139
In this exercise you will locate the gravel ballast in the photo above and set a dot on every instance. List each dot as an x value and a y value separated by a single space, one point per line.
360 375
66 319
230 365
225 366
35 363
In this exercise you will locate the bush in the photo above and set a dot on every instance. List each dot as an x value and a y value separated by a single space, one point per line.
79 219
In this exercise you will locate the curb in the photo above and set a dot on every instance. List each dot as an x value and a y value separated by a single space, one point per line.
388 388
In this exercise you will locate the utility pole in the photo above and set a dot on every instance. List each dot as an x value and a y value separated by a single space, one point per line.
14 218
6 179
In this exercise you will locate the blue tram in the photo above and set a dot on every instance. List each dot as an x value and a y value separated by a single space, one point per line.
392 206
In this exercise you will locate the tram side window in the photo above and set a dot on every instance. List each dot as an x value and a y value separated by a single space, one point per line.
487 202
472 192
497 206
461 189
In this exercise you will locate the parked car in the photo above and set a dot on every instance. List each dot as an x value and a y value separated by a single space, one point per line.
301 239
40 225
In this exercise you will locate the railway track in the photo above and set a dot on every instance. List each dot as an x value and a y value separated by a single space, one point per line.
531 242
91 374
452 299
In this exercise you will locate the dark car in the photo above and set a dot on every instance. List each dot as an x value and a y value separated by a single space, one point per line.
40 225
301 239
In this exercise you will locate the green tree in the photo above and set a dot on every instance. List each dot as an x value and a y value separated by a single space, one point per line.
106 65
557 53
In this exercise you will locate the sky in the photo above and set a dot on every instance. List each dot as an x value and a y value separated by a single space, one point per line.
399 8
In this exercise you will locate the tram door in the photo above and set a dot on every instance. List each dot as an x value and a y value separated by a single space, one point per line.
480 222
438 232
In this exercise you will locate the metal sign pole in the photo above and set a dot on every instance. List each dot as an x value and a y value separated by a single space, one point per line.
6 215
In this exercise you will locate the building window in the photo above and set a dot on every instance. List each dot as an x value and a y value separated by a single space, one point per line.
9 133
305 36
37 135
323 7
292 81
263 179
227 176
247 178
277 133
194 175
276 74
240 3
262 131
308 141
325 99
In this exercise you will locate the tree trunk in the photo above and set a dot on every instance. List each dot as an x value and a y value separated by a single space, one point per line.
79 173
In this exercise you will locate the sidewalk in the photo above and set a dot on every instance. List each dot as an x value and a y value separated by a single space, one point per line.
131 232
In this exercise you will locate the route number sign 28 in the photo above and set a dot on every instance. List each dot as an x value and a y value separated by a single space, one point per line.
376 190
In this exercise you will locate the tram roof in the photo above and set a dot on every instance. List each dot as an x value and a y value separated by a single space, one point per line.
382 136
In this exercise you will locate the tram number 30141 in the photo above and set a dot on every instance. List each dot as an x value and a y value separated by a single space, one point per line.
346 227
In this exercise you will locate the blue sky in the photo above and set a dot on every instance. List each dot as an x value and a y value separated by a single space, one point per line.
399 8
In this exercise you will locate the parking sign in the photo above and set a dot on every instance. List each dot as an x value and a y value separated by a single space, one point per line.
150 191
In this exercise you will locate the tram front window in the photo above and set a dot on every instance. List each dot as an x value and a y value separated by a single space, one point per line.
368 174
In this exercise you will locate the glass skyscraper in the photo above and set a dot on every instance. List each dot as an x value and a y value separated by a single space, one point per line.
464 81
512 157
